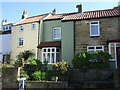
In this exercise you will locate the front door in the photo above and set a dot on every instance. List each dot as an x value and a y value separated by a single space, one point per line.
118 56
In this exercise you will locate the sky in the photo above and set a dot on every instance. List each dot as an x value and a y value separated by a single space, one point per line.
12 11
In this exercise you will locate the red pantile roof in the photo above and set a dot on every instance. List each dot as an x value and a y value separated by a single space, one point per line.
93 14
57 16
49 44
31 19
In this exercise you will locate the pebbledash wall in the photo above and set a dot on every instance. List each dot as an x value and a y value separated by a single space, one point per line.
109 30
30 37
67 37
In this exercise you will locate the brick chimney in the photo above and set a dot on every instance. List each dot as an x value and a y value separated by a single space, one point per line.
54 11
79 8
25 14
4 22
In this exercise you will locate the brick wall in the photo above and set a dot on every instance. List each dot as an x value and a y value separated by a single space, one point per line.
109 30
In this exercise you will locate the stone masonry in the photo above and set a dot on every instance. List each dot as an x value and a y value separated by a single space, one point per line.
109 30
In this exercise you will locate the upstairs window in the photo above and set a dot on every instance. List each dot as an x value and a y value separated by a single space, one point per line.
10 27
21 28
7 28
94 28
57 33
33 26
95 48
20 41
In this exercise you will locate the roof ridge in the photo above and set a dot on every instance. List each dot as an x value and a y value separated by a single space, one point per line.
37 15
102 10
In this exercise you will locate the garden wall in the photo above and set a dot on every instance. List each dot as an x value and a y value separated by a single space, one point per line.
45 84
9 78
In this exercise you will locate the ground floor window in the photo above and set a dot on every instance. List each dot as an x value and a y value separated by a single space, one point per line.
51 55
95 48
113 50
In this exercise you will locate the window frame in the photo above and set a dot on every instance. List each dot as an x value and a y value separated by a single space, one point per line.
97 28
46 53
56 33
21 28
34 26
95 48
19 41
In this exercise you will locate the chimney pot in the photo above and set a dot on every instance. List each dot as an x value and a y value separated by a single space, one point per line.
25 14
54 11
79 8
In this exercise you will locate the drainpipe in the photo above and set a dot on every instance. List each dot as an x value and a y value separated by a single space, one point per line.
40 37
74 35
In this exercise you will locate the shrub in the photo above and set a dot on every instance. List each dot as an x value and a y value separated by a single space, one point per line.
81 60
38 75
97 59
6 65
23 74
61 68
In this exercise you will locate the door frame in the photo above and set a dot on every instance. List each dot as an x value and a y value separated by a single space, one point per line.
115 46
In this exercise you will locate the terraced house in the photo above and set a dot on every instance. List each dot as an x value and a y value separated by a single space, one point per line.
5 40
98 31
58 37
25 34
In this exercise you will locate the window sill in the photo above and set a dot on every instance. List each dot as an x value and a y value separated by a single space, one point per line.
20 46
33 29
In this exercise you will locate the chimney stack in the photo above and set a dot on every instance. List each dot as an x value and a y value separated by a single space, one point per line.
25 14
4 22
79 8
54 11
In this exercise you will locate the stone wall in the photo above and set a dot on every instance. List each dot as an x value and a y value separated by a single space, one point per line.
109 28
45 84
9 78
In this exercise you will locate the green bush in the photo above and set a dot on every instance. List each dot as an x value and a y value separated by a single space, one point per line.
23 74
39 76
6 65
97 59
81 60
61 67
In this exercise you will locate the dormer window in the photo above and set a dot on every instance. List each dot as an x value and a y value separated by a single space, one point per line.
21 28
94 28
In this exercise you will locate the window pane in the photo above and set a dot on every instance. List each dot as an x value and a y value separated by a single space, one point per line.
58 50
94 22
98 47
48 50
53 50
94 30
91 47
57 57
44 57
44 50
9 27
52 58
48 57
56 33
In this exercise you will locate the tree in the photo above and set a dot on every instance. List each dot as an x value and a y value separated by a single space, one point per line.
24 56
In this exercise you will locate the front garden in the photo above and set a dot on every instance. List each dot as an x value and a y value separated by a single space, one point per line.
87 68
